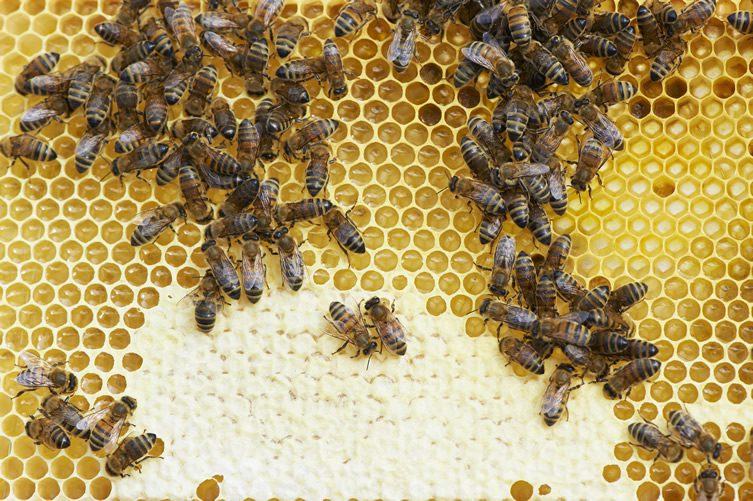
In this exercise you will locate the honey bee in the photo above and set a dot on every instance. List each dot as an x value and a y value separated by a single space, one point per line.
504 258
740 20
144 71
708 485
591 362
255 67
288 34
291 261
546 297
345 231
225 48
240 198
220 22
183 128
489 228
664 13
475 159
517 18
333 64
624 41
203 154
668 58
41 374
201 91
513 114
100 101
602 128
594 299
438 15
182 24
309 208
629 375
282 117
89 147
651 438
230 226
155 107
525 278
694 16
47 85
130 452
539 223
290 92
546 63
489 54
466 71
391 331
265 13
608 343
317 173
353 16
563 330
224 118
155 32
40 65
691 434
214 180
556 395
486 138
609 23
106 422
593 155
638 348
26 146
594 45
546 145
573 29
514 317
146 156
222 269
64 413
132 138
649 28
626 296
248 145
194 194
155 221
568 287
41 114
557 187
572 61
403 45
207 300
612 92
129 55
486 197
516 204
253 271
269 190
562 11
45 431
313 132
117 34
301 70
522 354
489 20
557 254
350 328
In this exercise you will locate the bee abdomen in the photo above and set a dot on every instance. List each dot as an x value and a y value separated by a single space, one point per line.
351 240
742 21
205 315
43 152
59 438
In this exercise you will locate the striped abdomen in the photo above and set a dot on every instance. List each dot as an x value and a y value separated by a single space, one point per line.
522 354
517 207
205 314
466 71
594 299
632 373
608 343
742 21
520 25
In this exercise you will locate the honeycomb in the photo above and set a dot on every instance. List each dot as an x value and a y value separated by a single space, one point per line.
266 411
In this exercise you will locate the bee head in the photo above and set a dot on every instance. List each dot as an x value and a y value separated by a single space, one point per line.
192 137
32 428
371 303
59 378
339 91
181 210
72 383
206 245
250 236
130 402
454 183
280 232
370 348
484 306
567 117
555 40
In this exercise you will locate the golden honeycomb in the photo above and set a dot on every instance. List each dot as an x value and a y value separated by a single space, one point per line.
270 413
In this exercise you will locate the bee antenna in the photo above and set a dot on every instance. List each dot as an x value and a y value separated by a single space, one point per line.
105 176
369 360
443 189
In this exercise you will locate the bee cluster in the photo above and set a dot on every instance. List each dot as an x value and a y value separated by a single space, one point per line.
595 335
685 433
60 419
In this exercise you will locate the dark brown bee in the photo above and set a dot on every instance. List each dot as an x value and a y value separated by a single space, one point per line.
155 107
170 167
203 154
518 21
624 41
557 187
129 55
439 14
240 198
288 34
391 331
742 21
626 296
489 228
708 486
638 348
26 146
220 22
309 208
155 222
694 16
45 431
486 197
568 287
516 204
574 63
594 45
593 299
144 71
539 223
403 45
612 92
42 374
253 271
194 194
466 71
222 268
265 13
181 21
219 181
208 301
133 137
591 362
224 118
651 438
649 28
475 159
502 267
557 392
130 452
557 254
40 65
690 433
183 128
546 297
301 70
513 316
486 138
664 13
105 423
574 28
522 354
489 20
546 63
600 125
562 11
333 63
353 16
230 226
47 85
89 147
668 58
564 331
608 343
350 328
592 157
529 174
514 112
290 92
609 23
81 80
546 145
41 114
255 67
117 34
228 50
317 172
491 56
629 375
248 145
269 190
291 261
525 278
268 144
313 132
155 32
146 156
201 91
282 117
65 414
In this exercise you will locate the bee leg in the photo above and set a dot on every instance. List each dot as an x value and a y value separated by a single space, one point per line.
482 267
341 348
22 392
598 178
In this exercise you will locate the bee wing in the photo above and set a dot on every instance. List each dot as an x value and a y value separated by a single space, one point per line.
39 112
513 170
252 271
91 418
219 44
389 330
273 8
31 360
89 143
473 56
556 179
112 442
292 264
